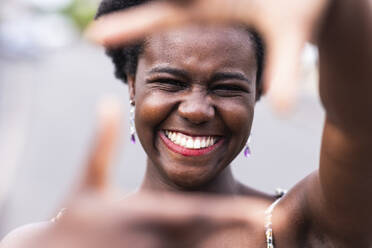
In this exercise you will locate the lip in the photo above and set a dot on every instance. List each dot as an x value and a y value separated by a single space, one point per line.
186 151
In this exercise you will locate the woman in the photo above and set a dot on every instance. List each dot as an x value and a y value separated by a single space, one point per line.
184 85
195 88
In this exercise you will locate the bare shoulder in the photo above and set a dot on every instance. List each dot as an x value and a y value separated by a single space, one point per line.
21 236
296 219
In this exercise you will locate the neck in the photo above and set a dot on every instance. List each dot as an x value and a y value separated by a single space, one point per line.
223 184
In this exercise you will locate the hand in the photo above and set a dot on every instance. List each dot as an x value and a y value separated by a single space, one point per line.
97 216
286 25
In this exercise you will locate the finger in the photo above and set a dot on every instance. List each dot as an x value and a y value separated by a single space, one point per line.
283 65
137 22
129 25
182 209
96 175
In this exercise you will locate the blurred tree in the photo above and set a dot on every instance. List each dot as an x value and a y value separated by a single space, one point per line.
81 12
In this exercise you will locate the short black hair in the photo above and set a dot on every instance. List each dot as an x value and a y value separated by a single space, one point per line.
125 58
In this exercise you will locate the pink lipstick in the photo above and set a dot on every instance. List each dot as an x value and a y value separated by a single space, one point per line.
187 151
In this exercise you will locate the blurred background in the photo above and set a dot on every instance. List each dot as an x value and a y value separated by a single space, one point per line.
50 83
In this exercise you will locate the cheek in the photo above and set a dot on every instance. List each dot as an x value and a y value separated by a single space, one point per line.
151 110
238 117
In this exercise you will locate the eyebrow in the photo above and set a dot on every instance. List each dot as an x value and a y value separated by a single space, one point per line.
220 76
170 70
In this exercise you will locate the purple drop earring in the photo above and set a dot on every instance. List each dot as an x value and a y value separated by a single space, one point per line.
247 149
132 127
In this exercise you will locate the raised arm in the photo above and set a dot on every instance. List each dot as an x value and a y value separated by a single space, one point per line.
342 197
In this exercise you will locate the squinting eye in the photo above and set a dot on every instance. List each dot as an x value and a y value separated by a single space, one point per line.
168 84
173 82
227 89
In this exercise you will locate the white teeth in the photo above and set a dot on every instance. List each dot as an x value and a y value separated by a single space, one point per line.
197 144
173 137
189 141
183 141
178 139
208 142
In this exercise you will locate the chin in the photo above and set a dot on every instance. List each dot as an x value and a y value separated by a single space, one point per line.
190 185
189 180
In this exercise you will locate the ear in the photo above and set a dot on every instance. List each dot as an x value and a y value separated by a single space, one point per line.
131 87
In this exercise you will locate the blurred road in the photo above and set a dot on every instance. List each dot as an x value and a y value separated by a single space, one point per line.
63 89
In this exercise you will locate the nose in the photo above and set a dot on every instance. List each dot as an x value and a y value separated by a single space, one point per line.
196 108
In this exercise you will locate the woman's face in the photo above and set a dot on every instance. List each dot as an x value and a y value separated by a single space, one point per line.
194 91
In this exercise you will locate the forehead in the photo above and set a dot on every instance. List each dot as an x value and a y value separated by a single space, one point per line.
206 48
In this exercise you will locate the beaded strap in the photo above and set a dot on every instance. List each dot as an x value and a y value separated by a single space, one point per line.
59 215
269 214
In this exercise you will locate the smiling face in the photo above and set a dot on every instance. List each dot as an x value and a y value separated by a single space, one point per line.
194 91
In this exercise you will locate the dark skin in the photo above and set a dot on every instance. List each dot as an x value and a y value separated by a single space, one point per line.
345 89
335 202
185 83
331 207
